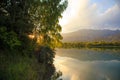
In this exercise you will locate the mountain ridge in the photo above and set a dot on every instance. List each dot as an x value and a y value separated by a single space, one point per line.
85 35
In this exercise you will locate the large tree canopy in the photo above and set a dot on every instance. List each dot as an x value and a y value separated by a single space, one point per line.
29 32
40 18
45 18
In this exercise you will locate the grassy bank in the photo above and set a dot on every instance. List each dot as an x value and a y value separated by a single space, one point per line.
38 66
17 67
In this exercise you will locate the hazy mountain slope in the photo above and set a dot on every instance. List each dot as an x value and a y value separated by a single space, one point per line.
92 35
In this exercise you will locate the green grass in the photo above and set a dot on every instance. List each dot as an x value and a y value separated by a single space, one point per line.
18 67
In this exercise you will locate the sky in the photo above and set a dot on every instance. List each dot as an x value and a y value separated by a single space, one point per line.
91 14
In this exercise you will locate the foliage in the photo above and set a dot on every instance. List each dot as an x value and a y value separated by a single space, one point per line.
91 44
18 20
14 24
17 67
56 75
45 18
9 39
45 55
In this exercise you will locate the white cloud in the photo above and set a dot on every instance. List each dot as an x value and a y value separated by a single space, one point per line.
81 14
118 2
109 19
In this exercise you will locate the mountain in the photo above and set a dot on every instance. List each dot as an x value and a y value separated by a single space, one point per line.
85 35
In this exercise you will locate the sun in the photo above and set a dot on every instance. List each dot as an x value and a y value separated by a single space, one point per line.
31 36
63 22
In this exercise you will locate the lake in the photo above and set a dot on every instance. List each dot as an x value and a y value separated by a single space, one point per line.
88 64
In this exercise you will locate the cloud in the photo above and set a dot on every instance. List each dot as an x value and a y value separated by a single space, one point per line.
80 14
73 16
118 2
109 19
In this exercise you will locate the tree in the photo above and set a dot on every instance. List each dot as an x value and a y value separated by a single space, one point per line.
18 20
38 17
45 16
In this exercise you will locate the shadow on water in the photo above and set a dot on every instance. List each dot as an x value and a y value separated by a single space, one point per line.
88 64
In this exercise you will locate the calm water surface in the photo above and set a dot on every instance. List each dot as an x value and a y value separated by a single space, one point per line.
88 64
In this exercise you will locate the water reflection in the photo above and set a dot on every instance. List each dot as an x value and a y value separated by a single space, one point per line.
88 69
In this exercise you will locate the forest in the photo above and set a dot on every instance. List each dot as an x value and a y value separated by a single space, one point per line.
96 44
29 33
